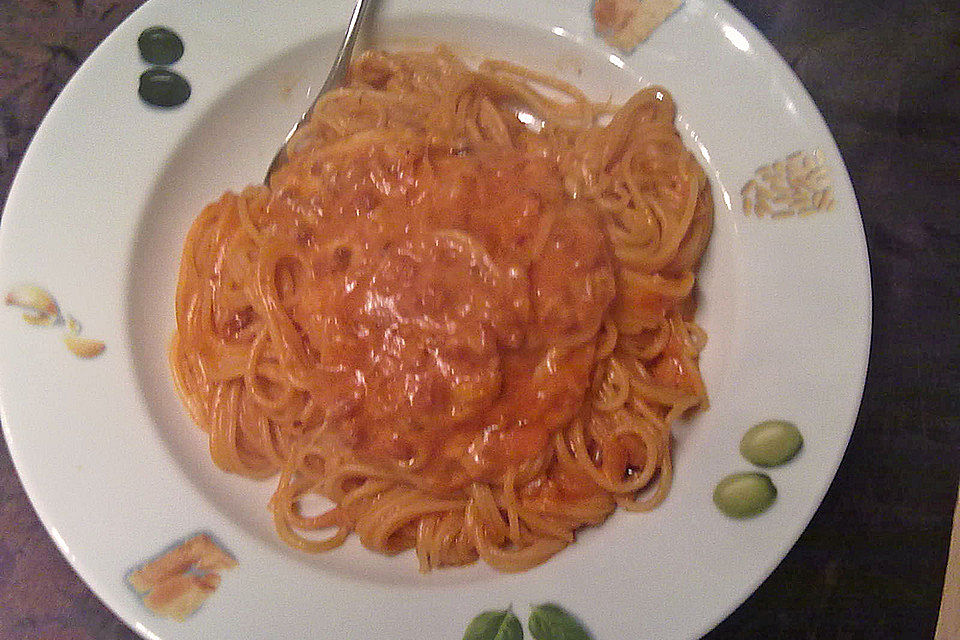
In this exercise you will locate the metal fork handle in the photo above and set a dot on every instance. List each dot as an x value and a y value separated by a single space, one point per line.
336 77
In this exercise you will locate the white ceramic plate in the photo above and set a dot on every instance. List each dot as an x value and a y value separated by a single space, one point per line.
118 473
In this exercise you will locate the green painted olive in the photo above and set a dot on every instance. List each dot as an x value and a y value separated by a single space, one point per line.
159 45
163 88
771 443
744 495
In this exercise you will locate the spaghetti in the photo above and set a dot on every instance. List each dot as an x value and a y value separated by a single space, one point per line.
470 335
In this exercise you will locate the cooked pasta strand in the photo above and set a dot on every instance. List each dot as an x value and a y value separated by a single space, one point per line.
460 335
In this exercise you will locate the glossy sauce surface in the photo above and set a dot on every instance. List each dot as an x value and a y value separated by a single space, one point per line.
444 300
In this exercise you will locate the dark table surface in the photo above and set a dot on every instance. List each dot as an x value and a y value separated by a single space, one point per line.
886 75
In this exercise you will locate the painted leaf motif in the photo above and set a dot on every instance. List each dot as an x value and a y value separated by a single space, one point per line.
551 622
494 625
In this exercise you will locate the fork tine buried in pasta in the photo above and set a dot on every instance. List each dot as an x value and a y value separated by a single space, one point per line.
469 336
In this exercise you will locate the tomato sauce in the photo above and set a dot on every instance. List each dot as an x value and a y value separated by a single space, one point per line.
450 302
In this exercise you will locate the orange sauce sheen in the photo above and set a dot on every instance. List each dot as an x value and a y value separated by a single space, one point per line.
435 294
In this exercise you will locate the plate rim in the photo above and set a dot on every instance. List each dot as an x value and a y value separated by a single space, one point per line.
36 501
